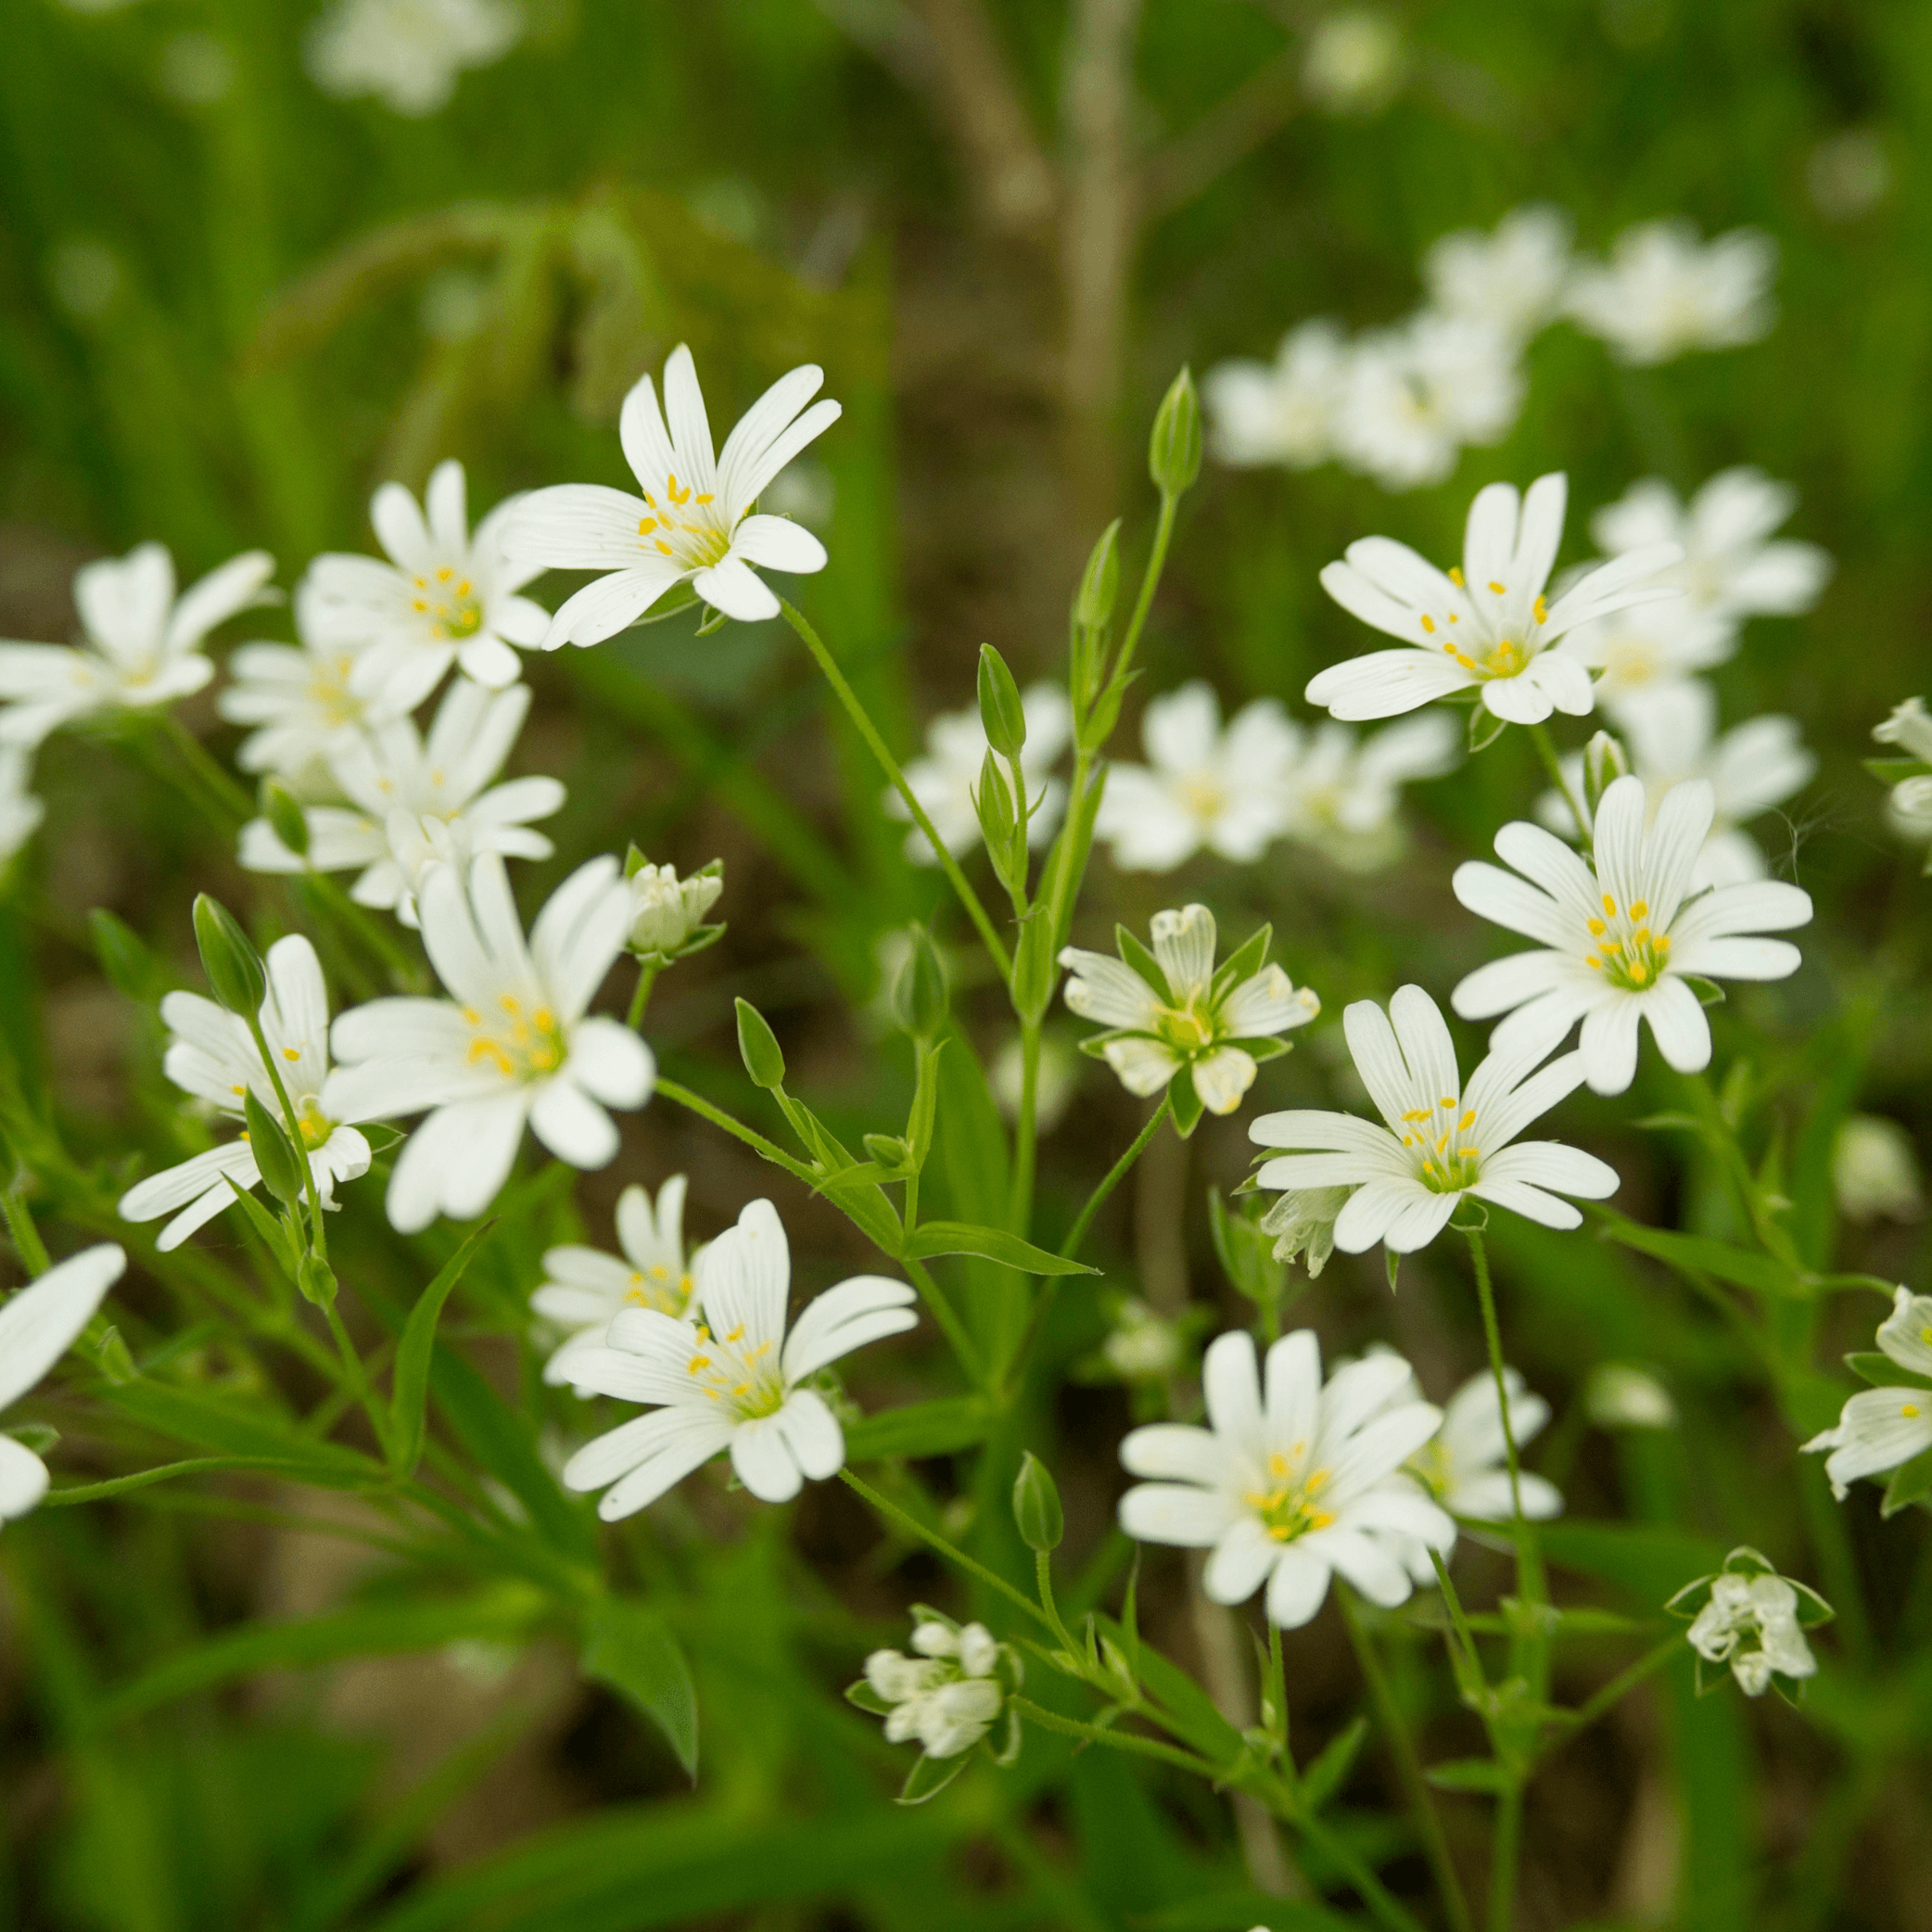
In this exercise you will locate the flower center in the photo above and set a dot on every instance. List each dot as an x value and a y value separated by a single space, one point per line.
1202 794
1288 1508
1628 953
523 1045
449 604
1503 656
1185 1028
684 527
655 1288
330 693
1430 1465
1439 1138
746 1380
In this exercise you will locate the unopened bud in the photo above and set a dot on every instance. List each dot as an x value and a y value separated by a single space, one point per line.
233 968
1037 1507
286 817
278 1163
316 1279
1001 715
1099 582
1173 450
1033 968
757 1047
918 998
1605 761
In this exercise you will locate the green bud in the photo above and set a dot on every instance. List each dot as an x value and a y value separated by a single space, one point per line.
316 1279
888 1151
918 998
757 1047
123 955
229 959
998 817
1099 582
1173 450
1037 1507
1035 973
111 1353
1001 714
280 1165
286 817
1605 761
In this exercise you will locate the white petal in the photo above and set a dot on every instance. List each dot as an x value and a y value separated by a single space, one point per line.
39 1324
571 1125
763 1459
23 1479
846 1317
1297 1587
1240 1563
1177 1514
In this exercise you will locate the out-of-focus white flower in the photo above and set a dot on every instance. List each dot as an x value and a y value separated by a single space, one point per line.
418 803
1280 412
1355 62
1344 791
1750 1617
1511 279
1849 175
805 492
1874 1170
1140 1346
1671 735
1485 626
1621 1395
693 525
1202 786
947 777
1055 1080
667 912
1909 804
408 52
143 643
1416 394
945 1698
1883 1428
1646 650
1665 291
20 811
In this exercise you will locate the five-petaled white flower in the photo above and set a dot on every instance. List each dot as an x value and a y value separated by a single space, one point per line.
1621 933
511 1046
420 804
1752 1618
736 1383
1416 394
1665 291
143 643
212 1056
691 524
1882 1428
1485 626
1289 1489
945 779
1464 1464
1511 278
1648 651
1173 1020
584 1289
408 52
38 1324
1342 790
1280 412
1443 1139
445 596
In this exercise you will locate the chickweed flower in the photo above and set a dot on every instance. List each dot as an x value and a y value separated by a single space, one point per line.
1874 1170
1511 279
1910 805
1888 1427
1416 394
946 778
1665 291
1281 411
1302 1222
1749 1617
737 1382
1464 1464
946 1697
408 52
1621 935
667 912
1485 627
1344 791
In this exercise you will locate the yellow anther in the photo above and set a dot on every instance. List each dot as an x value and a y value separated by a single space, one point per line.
1495 587
1591 959
420 604
1639 973
662 545
463 590
1640 908
291 1053
1277 1464
1429 623
1407 1140
698 1362
1456 576
1414 1113
1466 1122
737 1334
707 498
1454 618
1663 945
238 1089
645 525
1909 1409
444 575
1542 611
1609 905
1448 1100
1597 928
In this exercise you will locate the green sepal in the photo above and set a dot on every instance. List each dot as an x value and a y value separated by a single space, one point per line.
1708 990
1910 1483
930 1776
278 1163
1186 1104
1267 1047
1485 727
1893 772
1392 1261
1882 1372
1141 961
869 1700
1243 963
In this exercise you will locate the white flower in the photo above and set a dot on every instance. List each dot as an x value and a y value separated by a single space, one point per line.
444 597
584 1289
1881 1428
1909 804
1443 1141
1484 626
691 524
513 1044
1750 1617
212 1056
1512 278
408 52
1342 792
737 1383
1911 726
1874 1170
1466 1464
1620 933
420 804
1302 1222
1287 1491
37 1326
1416 394
665 910
946 778
142 644
1671 734
1140 1346
1648 651
1732 569
948 1697
20 811
1621 1395
1186 1019
1664 291
1356 61
1281 411
1202 786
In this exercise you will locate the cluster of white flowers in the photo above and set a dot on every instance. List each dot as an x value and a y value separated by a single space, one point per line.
1752 1620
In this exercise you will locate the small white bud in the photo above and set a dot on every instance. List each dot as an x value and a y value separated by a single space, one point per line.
1874 1171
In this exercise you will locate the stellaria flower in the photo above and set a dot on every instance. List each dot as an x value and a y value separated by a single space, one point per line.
1910 804
736 1383
1888 1427
1281 411
511 1046
1752 1618
1416 394
1443 1139
1288 1490
1511 279
1173 1020
946 1697
1647 652
945 777
20 811
1464 1464
408 52
692 524
1621 934
38 1324
1485 626
1342 791
667 912
211 1054
1665 291
143 643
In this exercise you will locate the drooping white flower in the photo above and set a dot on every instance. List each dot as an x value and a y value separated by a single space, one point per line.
1202 785
692 525
667 912
1289 1488
511 1046
1874 1170
1344 791
948 1697
1511 278
1484 626
737 1383
445 596
417 803
408 52
143 643
38 1324
1882 1428
20 811
1620 933
1665 291
947 777
1173 1020
1302 1222
1909 805
1415 395
1442 1139
1671 733
1281 411
584 1289
211 1054
1751 1618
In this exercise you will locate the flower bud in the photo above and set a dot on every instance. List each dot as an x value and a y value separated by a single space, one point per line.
1035 969
918 997
1303 1223
1173 450
1037 1507
757 1047
279 1163
1099 582
998 815
233 968
1001 715
667 912
286 818
316 1279
1605 761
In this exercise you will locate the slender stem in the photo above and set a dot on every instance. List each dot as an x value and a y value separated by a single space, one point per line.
1408 1766
1116 1175
1505 1844
868 731
1043 1577
1150 582
768 1149
358 1381
1375 1894
295 1134
1528 1557
1620 1687
1120 1740
1456 1618
209 773
912 1525
26 1237
646 977
954 1329
1026 1134
1546 750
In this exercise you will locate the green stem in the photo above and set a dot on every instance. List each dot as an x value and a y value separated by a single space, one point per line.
26 1237
646 976
358 1381
1546 750
1618 1688
1120 1740
950 1326
1504 1848
1025 1133
912 1527
1116 1175
768 1149
293 1123
1528 1557
1043 1577
1150 582
890 766
213 777
1375 1894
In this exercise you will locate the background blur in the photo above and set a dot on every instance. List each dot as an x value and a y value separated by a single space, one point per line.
230 306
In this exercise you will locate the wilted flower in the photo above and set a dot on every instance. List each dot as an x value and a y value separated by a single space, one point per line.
1750 1617
946 1698
1302 1222
667 912
1665 291
1888 1427
1874 1170
408 52
1281 411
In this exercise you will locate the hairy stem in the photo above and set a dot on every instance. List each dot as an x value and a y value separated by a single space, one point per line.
1116 1175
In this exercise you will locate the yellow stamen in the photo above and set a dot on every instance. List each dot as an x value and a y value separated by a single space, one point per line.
1609 905
1640 908
1495 587
1429 623
1456 576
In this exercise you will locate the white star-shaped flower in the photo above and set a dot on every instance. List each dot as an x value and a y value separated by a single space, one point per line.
1666 291
1881 1428
408 52
1413 396
1512 278
1342 792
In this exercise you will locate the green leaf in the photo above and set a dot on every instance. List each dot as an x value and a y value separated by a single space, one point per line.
1708 990
933 1238
628 1647
409 1387
1910 1481
1469 1775
921 1429
1704 1256
239 1425
1882 1372
1329 1771
867 1700
930 1776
